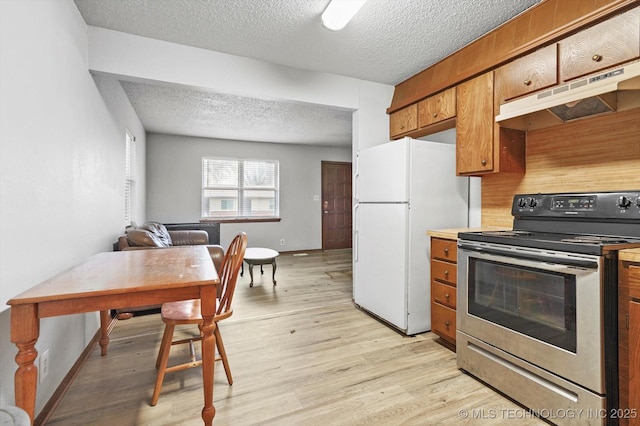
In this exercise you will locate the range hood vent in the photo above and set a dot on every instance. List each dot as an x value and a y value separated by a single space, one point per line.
580 98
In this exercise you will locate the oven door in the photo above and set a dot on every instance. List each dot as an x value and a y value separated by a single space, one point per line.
540 306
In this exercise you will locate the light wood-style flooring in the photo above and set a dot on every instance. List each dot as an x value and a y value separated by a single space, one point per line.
301 353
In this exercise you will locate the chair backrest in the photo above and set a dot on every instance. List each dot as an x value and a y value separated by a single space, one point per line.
229 272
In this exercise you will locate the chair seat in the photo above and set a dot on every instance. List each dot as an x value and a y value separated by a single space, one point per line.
188 312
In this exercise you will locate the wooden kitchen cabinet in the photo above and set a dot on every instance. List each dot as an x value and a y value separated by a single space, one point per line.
436 108
537 70
601 46
403 121
629 333
633 277
634 361
482 146
444 257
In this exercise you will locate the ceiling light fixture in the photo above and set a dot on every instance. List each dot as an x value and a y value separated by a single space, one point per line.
339 12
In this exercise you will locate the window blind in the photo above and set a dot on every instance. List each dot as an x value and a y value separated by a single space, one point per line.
129 180
237 188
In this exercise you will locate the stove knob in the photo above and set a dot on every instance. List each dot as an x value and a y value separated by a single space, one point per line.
522 202
624 202
533 202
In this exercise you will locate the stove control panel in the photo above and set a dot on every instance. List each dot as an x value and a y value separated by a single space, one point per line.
600 205
574 203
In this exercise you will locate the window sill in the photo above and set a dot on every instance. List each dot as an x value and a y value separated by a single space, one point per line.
242 220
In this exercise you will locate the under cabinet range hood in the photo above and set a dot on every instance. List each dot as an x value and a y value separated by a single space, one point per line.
580 98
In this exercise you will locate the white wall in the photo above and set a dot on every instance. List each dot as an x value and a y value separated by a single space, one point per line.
143 59
61 169
174 172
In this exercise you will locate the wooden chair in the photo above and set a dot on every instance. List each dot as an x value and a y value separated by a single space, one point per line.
188 312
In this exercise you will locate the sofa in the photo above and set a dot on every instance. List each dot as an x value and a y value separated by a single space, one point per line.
154 235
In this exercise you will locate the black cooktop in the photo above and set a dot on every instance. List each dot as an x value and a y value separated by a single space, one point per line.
575 243
588 223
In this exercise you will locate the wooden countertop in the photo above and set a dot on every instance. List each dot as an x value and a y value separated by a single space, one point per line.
631 255
452 233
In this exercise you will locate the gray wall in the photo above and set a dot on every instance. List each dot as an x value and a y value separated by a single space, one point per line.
174 176
62 158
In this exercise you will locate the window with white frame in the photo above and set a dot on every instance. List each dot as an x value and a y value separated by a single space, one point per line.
239 189
130 177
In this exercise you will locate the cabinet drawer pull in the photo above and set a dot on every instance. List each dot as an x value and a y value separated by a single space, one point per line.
596 58
527 82
446 296
483 162
446 251
447 323
446 273
435 114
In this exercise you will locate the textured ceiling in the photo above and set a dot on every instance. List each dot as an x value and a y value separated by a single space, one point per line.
386 42
190 112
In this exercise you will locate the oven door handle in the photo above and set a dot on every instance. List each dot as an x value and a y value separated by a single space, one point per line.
538 258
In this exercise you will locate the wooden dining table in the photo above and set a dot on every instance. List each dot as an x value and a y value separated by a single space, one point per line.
111 280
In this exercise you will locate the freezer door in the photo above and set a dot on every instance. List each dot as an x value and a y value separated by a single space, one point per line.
380 267
382 173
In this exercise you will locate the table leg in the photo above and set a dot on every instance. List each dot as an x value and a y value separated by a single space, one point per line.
242 269
250 273
273 275
105 318
25 329
207 327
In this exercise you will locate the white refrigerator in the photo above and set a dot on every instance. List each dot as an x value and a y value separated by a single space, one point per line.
402 189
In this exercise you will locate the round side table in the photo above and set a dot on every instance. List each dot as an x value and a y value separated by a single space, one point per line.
260 256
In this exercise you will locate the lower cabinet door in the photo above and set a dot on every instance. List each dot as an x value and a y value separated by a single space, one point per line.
634 361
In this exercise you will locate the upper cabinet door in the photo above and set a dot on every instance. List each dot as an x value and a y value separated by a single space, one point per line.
530 73
602 46
403 121
438 107
474 127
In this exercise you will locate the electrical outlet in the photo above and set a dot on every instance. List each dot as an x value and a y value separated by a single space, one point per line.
282 242
44 365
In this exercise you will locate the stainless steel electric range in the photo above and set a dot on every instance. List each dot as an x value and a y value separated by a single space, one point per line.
537 305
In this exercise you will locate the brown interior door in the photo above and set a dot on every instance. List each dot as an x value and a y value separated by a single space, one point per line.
336 205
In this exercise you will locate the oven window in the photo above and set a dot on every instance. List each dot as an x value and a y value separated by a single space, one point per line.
538 303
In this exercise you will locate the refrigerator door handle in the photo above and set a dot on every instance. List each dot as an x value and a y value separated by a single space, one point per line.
356 247
355 237
356 180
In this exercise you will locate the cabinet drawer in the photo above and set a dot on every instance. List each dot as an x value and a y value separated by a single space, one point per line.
444 294
634 282
444 249
535 71
444 271
602 46
443 322
403 121
437 108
